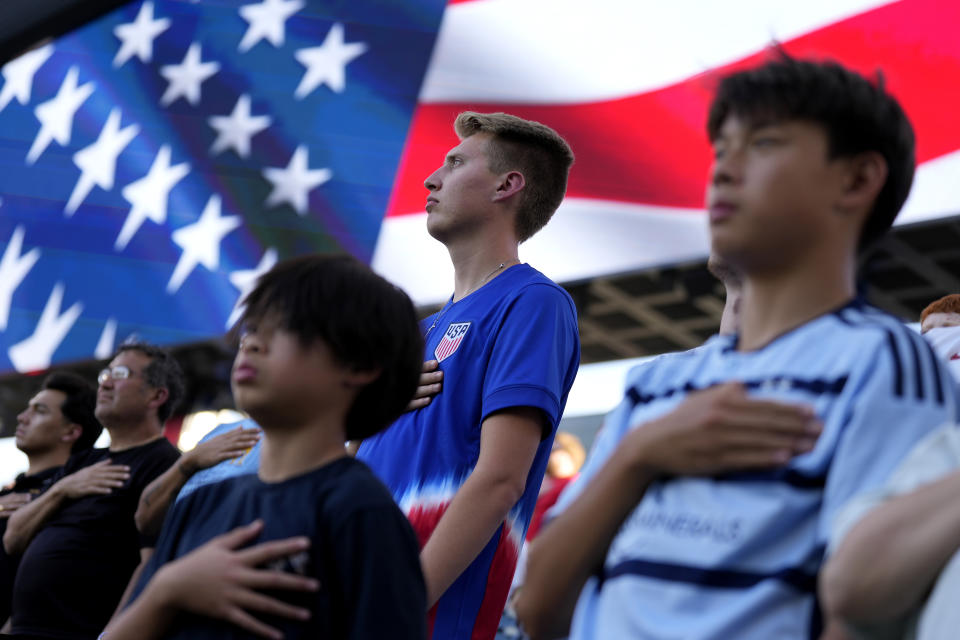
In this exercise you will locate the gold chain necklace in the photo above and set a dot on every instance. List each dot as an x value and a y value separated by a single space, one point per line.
450 301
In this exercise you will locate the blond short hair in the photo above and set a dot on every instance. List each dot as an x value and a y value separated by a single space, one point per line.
533 149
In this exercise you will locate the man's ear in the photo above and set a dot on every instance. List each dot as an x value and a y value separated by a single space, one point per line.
157 397
72 433
511 183
866 173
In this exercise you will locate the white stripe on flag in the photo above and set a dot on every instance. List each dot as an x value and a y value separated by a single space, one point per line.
556 51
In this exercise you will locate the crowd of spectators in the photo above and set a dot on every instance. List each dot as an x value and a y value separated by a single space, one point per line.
793 477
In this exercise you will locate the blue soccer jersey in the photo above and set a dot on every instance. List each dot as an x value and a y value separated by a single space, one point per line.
737 555
512 343
248 463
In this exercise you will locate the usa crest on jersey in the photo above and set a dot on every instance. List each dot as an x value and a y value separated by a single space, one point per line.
451 340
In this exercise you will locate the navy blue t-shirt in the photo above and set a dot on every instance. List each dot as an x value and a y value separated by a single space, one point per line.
363 552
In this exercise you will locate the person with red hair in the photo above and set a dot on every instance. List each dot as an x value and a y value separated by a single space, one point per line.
940 325
944 312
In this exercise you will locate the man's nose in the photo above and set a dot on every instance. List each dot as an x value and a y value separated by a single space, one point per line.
727 168
432 183
250 342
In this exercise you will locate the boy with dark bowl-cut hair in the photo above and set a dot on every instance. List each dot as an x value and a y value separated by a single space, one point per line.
707 503
329 352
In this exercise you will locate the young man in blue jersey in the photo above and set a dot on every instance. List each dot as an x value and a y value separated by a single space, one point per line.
706 505
466 468
330 351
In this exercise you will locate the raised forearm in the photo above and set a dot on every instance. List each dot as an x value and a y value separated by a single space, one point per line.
156 498
479 507
147 618
572 548
24 524
890 559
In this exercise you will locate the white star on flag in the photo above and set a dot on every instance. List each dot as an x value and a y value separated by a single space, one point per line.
185 78
137 36
108 337
246 280
13 269
150 194
36 352
56 115
327 63
200 242
267 20
18 75
291 185
234 131
98 162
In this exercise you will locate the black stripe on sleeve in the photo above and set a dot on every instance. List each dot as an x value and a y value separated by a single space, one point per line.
815 386
898 385
918 366
935 365
897 365
783 475
798 578
921 350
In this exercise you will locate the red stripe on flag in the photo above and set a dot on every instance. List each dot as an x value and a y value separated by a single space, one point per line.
651 148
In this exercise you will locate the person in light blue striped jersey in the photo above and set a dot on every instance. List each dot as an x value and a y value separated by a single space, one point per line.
705 506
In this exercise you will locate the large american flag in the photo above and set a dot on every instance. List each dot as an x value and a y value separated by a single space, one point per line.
152 163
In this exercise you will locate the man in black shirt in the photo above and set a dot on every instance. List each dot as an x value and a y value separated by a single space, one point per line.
78 540
58 421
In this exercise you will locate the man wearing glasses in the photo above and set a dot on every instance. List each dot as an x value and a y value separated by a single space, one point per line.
78 540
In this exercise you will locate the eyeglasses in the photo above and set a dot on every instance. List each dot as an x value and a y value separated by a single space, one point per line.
119 372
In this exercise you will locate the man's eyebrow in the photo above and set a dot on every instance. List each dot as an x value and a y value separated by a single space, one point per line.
763 123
